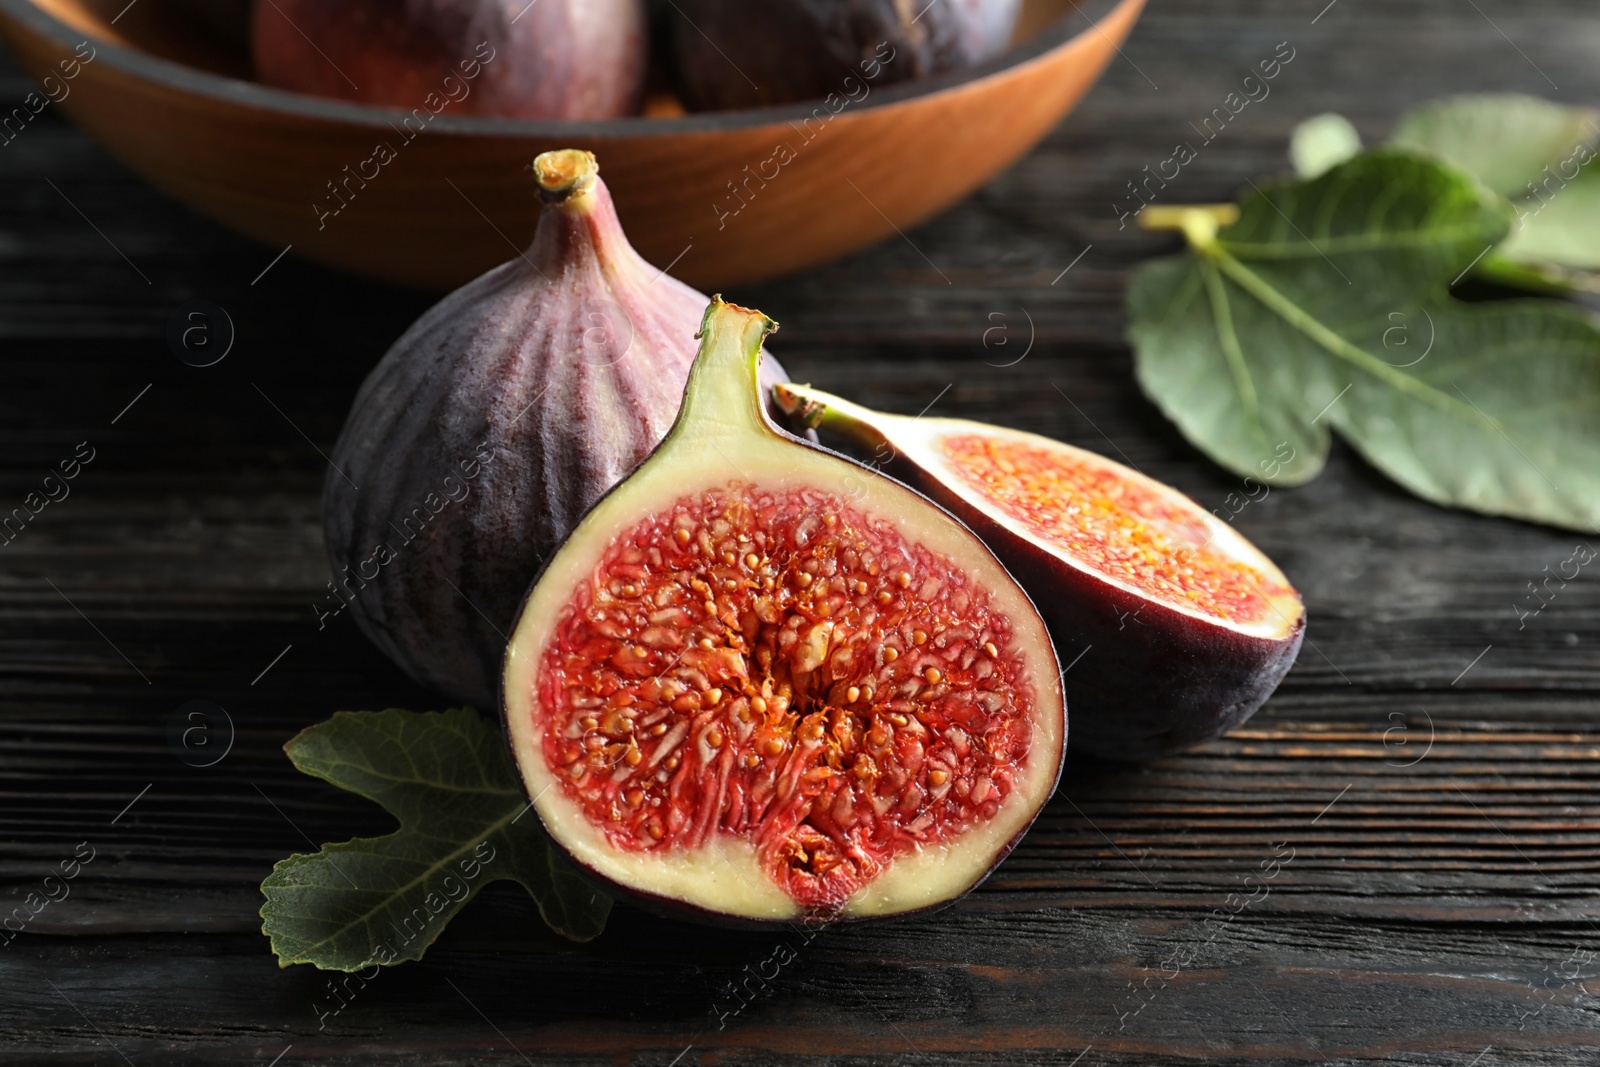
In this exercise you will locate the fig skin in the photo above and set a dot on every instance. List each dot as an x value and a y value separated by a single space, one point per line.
554 59
1145 680
756 53
1051 718
493 424
1154 680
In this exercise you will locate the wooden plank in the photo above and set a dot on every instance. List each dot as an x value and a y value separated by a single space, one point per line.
1432 908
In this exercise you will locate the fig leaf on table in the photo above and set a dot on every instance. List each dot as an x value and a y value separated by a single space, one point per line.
1541 156
447 777
1326 307
1503 140
1538 154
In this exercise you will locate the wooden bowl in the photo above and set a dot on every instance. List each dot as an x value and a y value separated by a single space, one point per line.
456 200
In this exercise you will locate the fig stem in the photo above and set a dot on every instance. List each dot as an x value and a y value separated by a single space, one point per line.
723 398
814 409
564 173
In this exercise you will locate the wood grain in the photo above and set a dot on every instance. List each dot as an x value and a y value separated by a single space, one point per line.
1431 762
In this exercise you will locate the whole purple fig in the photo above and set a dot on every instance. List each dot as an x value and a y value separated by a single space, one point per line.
493 424
754 53
557 59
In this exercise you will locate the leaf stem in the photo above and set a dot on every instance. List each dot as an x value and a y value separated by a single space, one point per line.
1189 218
1332 342
1228 337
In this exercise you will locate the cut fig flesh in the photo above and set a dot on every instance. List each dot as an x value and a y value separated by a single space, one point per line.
1185 626
761 682
1122 525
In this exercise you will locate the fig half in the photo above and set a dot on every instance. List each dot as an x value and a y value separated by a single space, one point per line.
1173 626
761 682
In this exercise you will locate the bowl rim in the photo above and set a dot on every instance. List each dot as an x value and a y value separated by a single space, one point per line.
137 63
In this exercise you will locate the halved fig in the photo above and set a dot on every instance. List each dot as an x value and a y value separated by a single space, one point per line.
1174 628
761 682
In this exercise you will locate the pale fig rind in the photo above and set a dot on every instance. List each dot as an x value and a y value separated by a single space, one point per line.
492 425
724 441
1145 678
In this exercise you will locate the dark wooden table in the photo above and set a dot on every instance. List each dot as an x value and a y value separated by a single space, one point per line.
1429 764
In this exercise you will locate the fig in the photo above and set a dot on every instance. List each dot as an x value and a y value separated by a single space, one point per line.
755 53
1174 627
762 683
492 424
551 59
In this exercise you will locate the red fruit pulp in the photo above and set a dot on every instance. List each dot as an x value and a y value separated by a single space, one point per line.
783 667
1119 527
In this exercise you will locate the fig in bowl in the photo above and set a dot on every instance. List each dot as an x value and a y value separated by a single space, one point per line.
180 110
550 59
756 53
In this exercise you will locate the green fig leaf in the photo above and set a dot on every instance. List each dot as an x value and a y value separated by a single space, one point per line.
1319 144
1563 231
1503 140
446 776
1541 156
1327 307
